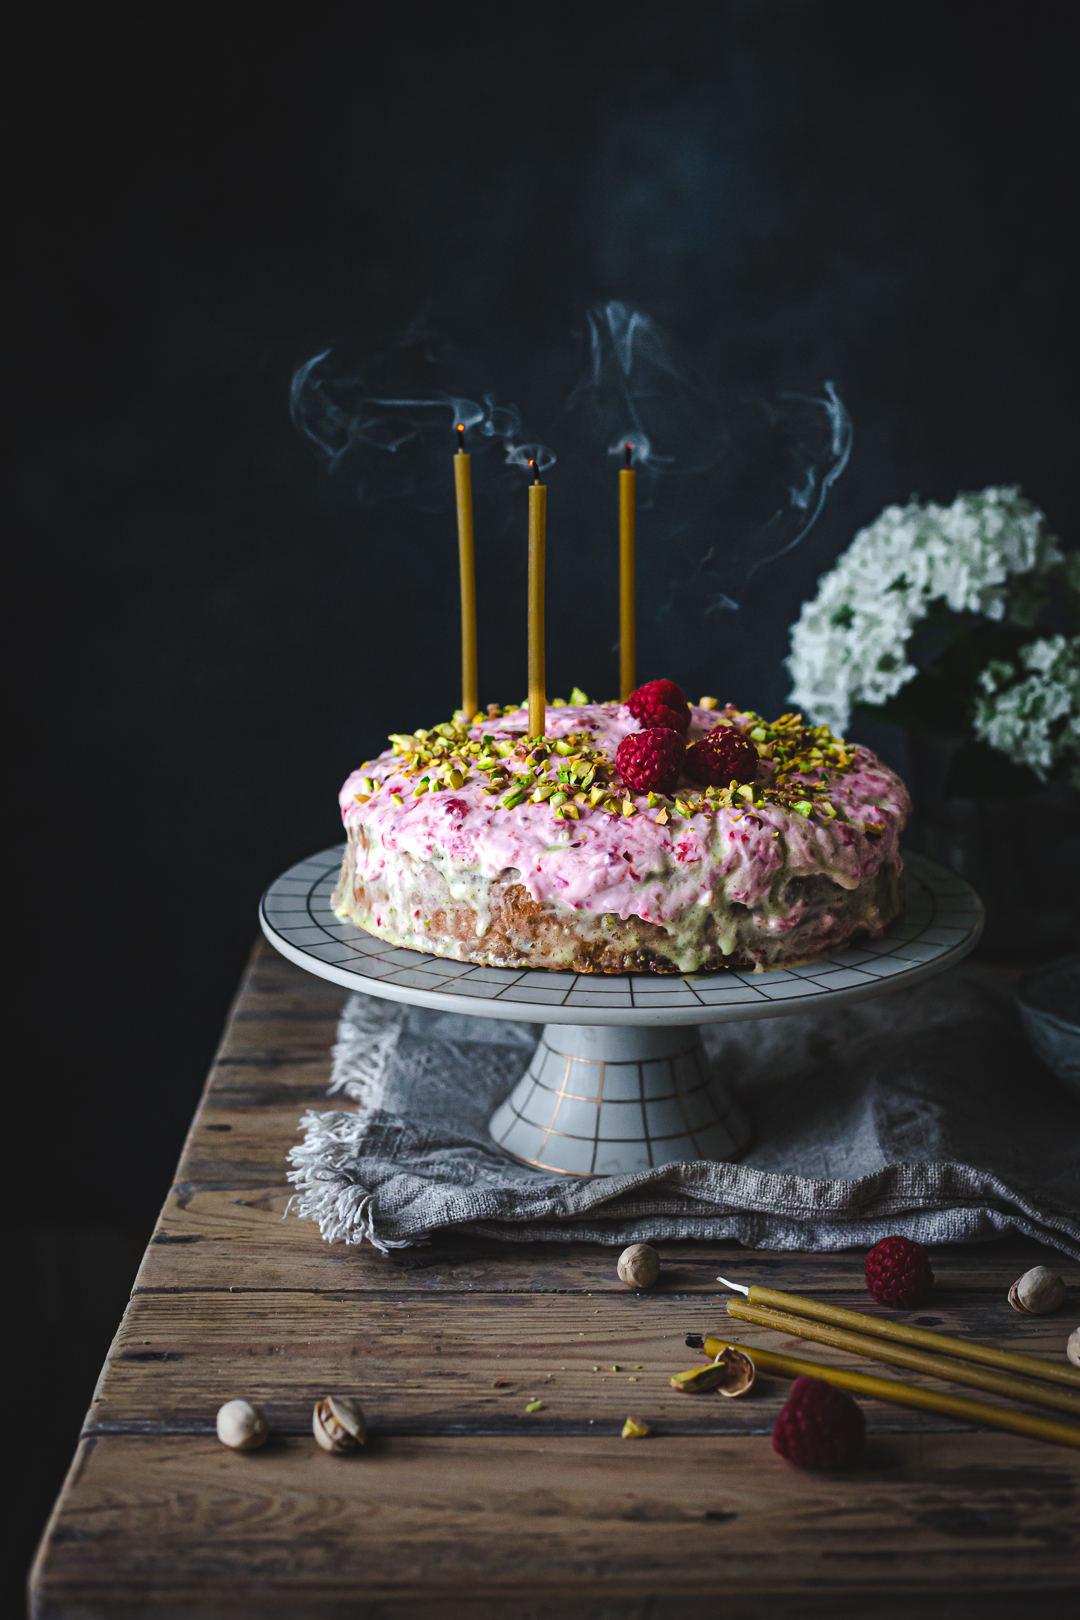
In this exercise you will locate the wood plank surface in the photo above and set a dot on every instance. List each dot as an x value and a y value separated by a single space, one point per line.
465 1502
652 1525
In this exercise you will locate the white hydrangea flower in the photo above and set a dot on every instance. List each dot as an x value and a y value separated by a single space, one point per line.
1021 717
849 644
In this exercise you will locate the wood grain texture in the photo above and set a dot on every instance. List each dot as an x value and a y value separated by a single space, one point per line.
557 1519
463 1501
426 1363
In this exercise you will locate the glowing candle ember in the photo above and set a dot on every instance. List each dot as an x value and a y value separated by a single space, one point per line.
537 543
470 696
627 578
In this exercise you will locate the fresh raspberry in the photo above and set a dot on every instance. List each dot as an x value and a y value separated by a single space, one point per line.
898 1272
819 1426
660 703
726 755
650 759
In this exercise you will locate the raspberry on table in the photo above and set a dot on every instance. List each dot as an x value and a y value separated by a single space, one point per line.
726 755
651 759
660 703
898 1272
819 1426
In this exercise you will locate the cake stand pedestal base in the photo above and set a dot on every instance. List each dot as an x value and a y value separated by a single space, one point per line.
605 1100
620 1081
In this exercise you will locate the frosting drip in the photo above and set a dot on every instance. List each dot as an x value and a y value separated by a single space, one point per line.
654 863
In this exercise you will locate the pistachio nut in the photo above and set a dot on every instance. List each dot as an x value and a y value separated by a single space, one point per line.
338 1424
700 1380
241 1426
1038 1292
634 1429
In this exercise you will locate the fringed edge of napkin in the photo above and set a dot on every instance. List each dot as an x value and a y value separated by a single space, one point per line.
328 1192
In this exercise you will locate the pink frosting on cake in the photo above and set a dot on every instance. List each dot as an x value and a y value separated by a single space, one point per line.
632 865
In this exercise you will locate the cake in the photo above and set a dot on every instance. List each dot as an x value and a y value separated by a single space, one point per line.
653 836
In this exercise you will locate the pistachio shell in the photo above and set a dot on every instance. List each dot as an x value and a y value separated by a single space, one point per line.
338 1424
740 1372
241 1426
1038 1292
639 1266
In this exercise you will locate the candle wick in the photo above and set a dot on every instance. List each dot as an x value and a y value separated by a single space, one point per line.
460 437
536 471
629 453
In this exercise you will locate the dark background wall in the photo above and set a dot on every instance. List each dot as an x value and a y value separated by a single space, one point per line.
212 631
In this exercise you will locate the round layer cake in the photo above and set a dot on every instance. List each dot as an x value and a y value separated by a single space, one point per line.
473 841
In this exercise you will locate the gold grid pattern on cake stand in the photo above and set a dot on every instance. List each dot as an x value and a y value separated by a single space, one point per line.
940 924
632 1029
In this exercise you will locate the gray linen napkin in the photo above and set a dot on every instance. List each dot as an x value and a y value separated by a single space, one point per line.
923 1112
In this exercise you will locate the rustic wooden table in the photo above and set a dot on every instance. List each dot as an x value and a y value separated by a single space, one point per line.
463 1502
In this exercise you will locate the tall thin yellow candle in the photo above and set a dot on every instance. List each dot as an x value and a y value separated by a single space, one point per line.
537 544
470 694
627 578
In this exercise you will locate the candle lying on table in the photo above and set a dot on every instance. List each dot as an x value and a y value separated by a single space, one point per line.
1008 1360
886 1389
924 1361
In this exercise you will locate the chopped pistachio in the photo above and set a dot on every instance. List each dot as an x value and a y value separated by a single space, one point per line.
577 697
558 799
514 797
662 817
421 787
563 747
595 795
397 801
569 812
633 1429
629 808
534 1406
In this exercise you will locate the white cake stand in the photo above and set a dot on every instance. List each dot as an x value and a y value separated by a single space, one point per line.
620 1080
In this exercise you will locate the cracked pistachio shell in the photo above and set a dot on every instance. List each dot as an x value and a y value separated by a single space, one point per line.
1038 1292
338 1424
639 1266
732 1373
241 1426
739 1372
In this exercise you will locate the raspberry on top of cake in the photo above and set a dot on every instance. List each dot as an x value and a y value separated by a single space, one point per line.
653 835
